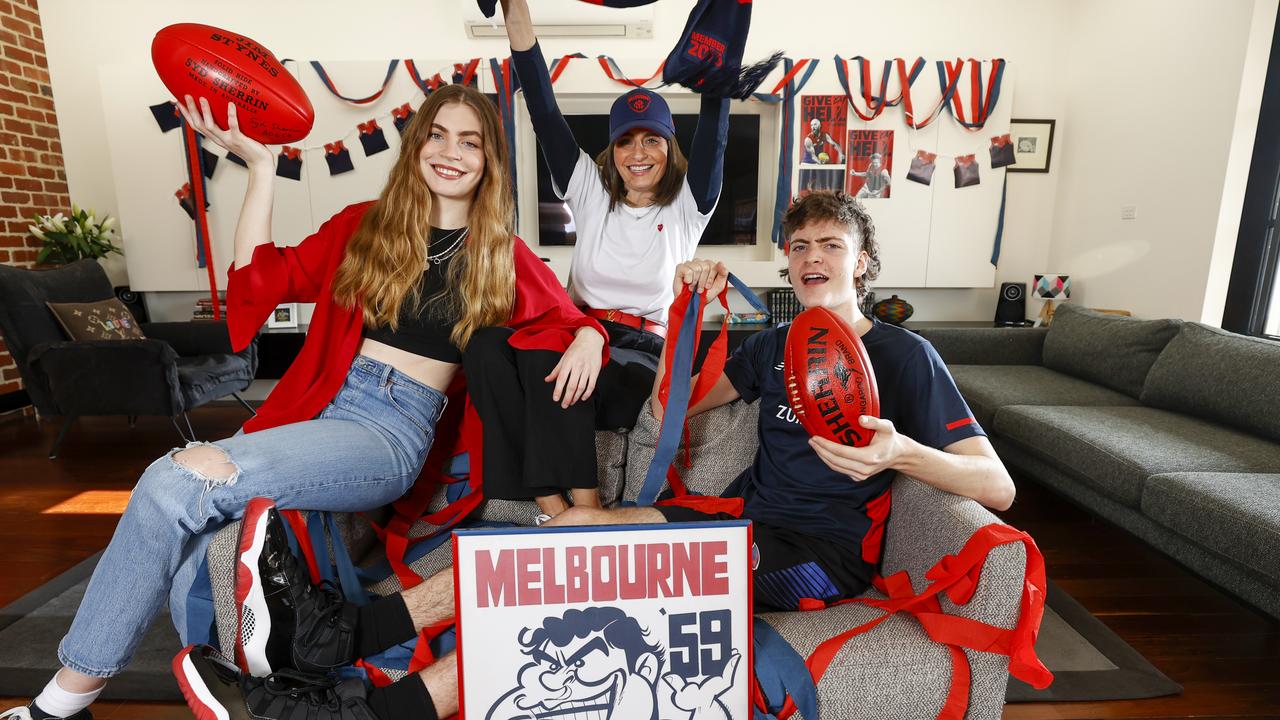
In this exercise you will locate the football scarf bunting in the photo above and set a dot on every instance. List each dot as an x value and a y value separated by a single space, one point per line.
966 171
708 57
401 116
289 163
371 138
1002 151
338 157
166 115
922 167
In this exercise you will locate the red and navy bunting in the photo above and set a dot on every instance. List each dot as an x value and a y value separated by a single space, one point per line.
428 85
507 83
328 83
981 103
614 73
875 102
559 64
462 74
949 85
789 88
196 179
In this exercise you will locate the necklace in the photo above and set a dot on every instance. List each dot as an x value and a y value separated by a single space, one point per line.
458 237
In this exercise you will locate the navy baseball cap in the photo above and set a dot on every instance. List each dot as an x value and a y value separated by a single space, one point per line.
640 108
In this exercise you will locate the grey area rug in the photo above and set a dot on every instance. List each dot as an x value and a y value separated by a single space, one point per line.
1089 661
31 627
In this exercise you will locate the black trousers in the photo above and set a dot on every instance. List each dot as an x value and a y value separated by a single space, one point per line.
532 446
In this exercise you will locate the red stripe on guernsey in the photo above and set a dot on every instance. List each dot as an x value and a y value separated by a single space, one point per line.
873 541
960 423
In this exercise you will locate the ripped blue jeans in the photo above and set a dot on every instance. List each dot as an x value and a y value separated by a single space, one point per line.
363 451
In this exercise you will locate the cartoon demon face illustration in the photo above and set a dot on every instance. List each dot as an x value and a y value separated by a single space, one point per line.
592 664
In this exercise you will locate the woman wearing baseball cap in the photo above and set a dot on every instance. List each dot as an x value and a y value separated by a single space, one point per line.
640 209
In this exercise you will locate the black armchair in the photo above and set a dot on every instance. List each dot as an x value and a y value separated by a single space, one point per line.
179 366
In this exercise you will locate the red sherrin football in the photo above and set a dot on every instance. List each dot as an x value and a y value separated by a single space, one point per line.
224 66
830 383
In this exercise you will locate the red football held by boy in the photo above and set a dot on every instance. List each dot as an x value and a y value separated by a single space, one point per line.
224 66
830 383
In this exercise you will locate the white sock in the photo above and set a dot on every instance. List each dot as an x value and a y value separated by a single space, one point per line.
62 703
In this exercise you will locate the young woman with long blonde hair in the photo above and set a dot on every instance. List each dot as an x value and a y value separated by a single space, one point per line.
401 285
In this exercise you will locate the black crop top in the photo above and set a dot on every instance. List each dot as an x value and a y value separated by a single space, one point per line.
423 330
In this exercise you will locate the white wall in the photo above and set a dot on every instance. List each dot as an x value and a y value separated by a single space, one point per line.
1154 89
1174 97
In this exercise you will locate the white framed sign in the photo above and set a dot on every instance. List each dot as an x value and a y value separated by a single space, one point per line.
605 622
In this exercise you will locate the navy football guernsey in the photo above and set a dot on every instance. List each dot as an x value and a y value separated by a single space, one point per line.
788 485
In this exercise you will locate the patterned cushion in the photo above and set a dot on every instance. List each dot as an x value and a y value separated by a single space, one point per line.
1111 350
1218 375
102 320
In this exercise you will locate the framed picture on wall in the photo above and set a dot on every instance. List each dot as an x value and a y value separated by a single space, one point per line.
1032 145
284 316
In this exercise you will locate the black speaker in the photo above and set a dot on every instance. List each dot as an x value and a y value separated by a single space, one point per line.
133 301
1011 308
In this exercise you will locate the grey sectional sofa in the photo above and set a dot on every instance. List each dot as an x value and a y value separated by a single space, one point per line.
1168 429
894 671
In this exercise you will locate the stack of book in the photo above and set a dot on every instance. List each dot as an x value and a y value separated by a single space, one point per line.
783 305
204 308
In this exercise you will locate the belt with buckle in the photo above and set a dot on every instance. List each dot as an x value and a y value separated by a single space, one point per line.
625 318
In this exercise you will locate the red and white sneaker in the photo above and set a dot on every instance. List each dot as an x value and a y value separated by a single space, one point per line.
284 620
216 690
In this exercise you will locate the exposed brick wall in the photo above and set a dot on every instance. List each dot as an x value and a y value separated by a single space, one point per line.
33 178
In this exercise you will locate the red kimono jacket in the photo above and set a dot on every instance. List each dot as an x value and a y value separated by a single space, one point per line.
542 316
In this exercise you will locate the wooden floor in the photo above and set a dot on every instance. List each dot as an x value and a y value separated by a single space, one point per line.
54 514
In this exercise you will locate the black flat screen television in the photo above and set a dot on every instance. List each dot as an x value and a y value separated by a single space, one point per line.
733 222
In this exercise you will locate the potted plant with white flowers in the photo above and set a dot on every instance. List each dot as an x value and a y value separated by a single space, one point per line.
70 238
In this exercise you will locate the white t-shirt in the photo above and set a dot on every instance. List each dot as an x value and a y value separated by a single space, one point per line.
625 259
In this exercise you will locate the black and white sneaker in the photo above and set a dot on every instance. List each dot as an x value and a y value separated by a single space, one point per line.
33 712
215 690
285 621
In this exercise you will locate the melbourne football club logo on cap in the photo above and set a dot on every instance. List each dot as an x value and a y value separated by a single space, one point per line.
639 102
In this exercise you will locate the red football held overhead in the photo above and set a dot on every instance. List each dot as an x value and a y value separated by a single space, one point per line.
830 382
224 66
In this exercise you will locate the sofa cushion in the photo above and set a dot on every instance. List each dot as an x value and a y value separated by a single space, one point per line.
987 388
1234 514
1115 449
891 671
1219 375
721 442
1111 350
